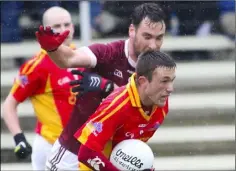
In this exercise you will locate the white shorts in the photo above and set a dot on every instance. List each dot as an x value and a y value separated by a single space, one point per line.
40 151
61 159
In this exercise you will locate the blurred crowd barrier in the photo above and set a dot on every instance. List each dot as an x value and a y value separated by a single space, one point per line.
199 21
19 19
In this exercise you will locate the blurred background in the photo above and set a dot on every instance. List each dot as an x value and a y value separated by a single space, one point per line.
199 132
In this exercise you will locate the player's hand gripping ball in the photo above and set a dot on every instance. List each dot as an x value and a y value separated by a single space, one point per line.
132 154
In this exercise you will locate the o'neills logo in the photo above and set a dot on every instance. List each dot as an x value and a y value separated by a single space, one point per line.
128 158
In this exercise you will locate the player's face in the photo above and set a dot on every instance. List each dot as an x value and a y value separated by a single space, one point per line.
161 85
61 22
147 36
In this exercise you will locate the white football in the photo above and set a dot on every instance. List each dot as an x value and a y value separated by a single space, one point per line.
133 155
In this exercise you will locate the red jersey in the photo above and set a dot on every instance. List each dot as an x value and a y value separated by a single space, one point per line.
120 116
48 89
110 61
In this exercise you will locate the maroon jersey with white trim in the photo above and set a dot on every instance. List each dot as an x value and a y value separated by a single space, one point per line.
111 62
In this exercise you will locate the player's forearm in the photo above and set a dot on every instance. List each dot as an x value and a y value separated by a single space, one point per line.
65 57
10 117
93 159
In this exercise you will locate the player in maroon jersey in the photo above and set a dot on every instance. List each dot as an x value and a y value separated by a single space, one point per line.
115 61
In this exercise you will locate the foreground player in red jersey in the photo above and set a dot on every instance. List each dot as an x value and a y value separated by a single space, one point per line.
115 61
144 100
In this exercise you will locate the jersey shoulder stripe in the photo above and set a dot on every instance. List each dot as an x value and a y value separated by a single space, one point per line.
113 104
32 63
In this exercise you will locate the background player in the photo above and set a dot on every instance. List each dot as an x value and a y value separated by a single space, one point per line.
48 88
115 61
144 100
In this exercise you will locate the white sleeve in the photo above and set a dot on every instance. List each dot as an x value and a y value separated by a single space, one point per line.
92 56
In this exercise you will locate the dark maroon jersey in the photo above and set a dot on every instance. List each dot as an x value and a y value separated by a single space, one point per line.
110 61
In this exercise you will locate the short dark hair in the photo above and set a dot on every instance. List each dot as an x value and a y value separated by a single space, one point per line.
151 10
150 60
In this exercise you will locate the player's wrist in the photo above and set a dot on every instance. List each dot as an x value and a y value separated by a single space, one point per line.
19 137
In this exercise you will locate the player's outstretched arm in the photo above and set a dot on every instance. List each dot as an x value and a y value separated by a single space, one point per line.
65 57
62 55
9 111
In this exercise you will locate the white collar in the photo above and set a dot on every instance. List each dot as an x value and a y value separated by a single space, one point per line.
130 60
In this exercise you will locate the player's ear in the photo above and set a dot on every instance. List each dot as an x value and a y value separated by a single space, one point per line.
131 31
142 81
